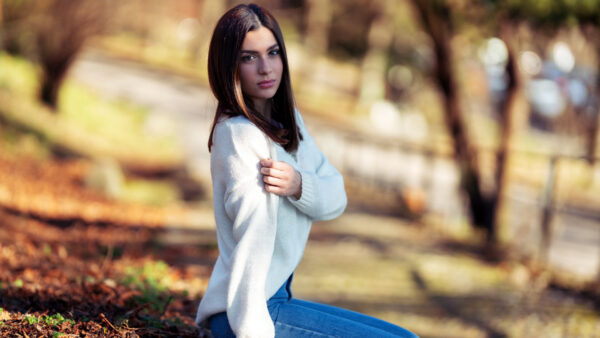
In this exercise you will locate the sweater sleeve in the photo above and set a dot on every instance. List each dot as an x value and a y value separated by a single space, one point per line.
253 212
323 194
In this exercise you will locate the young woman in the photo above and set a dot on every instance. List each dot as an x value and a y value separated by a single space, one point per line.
269 183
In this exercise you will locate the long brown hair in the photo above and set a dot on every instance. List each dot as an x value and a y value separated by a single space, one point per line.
223 76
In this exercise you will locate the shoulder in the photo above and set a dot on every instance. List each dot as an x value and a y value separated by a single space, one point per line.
299 119
306 137
237 128
238 135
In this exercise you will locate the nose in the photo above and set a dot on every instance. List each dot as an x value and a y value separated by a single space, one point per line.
265 66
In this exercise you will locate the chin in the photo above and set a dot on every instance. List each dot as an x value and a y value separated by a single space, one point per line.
266 95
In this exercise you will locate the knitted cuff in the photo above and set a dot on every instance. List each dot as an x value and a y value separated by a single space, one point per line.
309 190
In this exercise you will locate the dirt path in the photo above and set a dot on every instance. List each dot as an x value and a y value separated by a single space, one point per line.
408 275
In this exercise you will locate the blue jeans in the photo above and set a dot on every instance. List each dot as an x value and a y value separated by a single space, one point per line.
298 318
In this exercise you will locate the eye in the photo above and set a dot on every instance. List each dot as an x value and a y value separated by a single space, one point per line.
247 57
274 51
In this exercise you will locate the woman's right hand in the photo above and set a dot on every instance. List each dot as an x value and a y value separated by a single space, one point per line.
281 178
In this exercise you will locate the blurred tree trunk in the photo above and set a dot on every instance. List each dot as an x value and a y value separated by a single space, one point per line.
594 131
70 24
1 26
591 31
55 69
436 22
513 116
13 15
318 20
594 135
374 64
142 22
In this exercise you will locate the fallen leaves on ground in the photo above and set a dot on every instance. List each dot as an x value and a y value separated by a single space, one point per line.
54 189
75 263
102 279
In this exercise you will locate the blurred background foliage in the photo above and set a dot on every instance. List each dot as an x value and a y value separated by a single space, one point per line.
477 76
487 82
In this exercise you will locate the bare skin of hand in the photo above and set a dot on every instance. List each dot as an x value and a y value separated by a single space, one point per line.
281 178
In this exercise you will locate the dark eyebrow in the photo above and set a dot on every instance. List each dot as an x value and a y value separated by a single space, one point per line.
255 52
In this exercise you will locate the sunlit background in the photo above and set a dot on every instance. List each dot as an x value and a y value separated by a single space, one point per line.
466 131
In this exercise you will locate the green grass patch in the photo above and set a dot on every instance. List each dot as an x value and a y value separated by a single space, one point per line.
85 123
30 319
149 192
151 275
458 274
18 75
23 143
47 249
152 280
119 122
54 320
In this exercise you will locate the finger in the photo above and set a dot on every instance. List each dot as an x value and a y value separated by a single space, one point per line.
272 172
266 162
273 181
269 163
281 165
274 189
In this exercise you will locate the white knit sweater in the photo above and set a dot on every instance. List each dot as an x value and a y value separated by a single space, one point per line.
261 235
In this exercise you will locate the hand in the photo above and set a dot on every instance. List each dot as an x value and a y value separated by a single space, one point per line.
281 178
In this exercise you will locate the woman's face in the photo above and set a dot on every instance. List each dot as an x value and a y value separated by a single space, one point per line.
260 66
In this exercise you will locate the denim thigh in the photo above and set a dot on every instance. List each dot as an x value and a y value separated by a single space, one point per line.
219 326
358 322
219 323
298 318
304 319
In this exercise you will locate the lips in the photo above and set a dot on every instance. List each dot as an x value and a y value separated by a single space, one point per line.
266 84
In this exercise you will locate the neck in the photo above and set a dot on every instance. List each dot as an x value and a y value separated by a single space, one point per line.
263 107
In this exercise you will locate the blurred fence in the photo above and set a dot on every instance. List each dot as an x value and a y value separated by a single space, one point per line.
556 216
